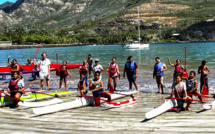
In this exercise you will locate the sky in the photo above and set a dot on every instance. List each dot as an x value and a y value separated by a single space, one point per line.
3 1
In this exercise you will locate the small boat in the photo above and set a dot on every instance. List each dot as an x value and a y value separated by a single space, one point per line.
32 97
136 44
78 102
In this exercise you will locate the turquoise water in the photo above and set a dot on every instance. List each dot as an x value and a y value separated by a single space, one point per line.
196 52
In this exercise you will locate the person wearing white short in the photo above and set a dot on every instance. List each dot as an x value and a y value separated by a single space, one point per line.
97 68
44 70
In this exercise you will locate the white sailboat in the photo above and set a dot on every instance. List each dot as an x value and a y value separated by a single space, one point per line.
137 43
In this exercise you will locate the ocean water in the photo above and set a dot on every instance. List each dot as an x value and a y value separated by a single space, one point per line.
196 52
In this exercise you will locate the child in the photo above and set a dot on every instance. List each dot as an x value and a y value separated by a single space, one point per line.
64 72
82 85
83 69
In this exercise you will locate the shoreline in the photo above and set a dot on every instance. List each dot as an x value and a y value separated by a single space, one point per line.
8 47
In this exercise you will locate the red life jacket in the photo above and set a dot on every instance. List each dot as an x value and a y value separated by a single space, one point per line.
112 69
83 69
178 70
14 85
63 70
15 66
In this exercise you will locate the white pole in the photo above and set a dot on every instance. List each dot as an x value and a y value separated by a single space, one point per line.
139 23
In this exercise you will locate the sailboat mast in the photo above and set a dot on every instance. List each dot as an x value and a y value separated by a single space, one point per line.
138 23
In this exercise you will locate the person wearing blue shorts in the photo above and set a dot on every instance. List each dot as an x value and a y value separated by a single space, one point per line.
132 72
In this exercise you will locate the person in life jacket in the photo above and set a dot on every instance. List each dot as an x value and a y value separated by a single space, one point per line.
158 72
113 72
97 88
82 85
132 72
83 69
90 63
204 71
180 92
192 85
15 88
178 68
14 66
64 72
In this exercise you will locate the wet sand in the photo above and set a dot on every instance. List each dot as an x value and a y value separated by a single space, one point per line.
129 119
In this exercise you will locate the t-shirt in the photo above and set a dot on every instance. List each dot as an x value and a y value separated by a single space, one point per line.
179 90
44 65
97 67
21 84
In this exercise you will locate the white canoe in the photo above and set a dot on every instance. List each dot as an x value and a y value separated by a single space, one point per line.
161 109
209 106
78 102
41 103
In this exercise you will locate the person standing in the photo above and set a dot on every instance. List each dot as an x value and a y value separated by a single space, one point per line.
83 69
158 73
113 72
204 70
132 72
44 70
64 72
97 68
36 69
90 63
178 68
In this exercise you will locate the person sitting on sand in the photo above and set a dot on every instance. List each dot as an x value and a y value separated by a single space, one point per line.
158 72
113 72
82 85
204 70
179 91
178 68
64 72
15 88
192 85
97 88
132 72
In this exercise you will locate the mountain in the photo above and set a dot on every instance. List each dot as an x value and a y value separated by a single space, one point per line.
114 20
6 4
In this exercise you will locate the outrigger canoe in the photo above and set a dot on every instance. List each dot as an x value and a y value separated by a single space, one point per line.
33 97
78 102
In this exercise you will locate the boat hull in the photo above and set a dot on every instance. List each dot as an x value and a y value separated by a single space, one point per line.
78 102
136 46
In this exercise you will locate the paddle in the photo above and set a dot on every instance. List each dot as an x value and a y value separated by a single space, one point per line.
185 74
185 99
206 96
36 52
57 71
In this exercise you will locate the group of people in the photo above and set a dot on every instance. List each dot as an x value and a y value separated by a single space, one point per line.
96 85
182 91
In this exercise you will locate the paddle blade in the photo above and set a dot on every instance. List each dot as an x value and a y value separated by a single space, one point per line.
185 74
204 92
57 72
111 88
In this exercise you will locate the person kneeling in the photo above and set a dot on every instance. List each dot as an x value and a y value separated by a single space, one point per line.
82 85
180 93
15 88
97 88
